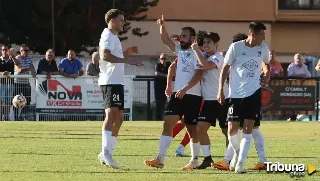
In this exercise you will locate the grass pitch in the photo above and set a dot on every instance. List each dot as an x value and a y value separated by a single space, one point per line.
68 151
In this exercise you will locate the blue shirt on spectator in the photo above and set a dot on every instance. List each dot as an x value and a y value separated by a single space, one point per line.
70 67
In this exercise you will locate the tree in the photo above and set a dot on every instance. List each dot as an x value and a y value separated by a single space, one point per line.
78 24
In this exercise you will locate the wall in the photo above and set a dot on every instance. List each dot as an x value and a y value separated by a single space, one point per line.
214 10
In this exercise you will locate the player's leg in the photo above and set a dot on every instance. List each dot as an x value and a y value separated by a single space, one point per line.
251 109
115 130
186 139
260 146
172 115
223 123
206 117
234 113
113 99
191 111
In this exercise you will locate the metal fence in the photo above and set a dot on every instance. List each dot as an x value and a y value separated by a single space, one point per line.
143 102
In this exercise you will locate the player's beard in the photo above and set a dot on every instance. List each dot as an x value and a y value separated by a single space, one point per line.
184 45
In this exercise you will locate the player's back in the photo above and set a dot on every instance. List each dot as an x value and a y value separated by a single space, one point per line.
110 73
246 68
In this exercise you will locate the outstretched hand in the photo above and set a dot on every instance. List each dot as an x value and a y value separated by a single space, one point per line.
160 21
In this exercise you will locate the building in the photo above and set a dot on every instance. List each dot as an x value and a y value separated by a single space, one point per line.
292 25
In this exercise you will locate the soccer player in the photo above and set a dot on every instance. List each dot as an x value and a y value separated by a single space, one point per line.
211 62
244 59
111 81
185 99
256 134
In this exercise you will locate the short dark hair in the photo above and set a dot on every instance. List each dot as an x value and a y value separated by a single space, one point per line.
113 13
200 36
256 26
213 36
239 36
190 29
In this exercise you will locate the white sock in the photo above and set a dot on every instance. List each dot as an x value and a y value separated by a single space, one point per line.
229 154
164 143
206 150
195 151
259 144
234 141
106 141
114 143
244 147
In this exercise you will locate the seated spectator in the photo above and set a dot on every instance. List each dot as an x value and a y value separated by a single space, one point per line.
70 66
93 67
276 69
47 65
298 69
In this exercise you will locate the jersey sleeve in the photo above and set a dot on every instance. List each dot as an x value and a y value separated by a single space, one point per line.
217 59
266 58
107 43
230 56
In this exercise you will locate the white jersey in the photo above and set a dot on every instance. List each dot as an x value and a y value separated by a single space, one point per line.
110 73
245 68
210 79
186 67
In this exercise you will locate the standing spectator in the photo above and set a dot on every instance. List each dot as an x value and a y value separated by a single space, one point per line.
48 66
22 85
276 69
160 82
7 62
298 69
93 67
70 66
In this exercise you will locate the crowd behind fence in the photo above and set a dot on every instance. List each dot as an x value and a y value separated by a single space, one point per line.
57 99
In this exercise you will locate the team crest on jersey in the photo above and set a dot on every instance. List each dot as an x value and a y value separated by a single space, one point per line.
251 65
259 53
107 43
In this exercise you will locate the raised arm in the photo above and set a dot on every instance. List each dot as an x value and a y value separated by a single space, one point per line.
165 38
205 64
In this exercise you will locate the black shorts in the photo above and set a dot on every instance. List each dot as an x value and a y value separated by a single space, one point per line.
245 108
113 95
256 122
188 106
213 110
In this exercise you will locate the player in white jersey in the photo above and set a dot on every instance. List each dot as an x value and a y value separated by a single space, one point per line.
111 81
256 134
211 62
185 97
244 59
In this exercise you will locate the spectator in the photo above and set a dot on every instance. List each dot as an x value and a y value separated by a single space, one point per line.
160 82
276 67
318 66
70 66
298 69
48 66
7 62
93 67
22 85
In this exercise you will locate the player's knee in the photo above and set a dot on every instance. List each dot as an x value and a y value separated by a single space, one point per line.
202 128
248 126
233 127
192 130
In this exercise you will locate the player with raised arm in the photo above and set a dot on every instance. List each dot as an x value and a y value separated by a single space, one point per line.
185 98
211 62
245 60
111 81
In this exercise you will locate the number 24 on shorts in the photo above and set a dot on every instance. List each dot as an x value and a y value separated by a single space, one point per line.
115 97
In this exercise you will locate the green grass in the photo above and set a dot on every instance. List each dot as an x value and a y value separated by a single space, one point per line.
68 151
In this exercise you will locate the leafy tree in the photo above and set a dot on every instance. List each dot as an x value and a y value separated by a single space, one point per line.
78 24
